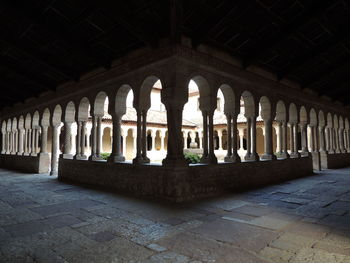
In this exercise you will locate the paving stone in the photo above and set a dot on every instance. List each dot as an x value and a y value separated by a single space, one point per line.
167 257
250 237
253 210
276 255
25 229
156 247
208 250
311 230
317 256
295 200
291 242
270 222
102 236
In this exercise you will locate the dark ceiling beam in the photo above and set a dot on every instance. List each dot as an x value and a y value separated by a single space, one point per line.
29 12
176 20
340 36
121 14
315 10
327 74
49 63
217 17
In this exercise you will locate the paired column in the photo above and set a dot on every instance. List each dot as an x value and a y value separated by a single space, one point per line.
82 138
141 140
268 155
67 154
322 138
232 155
341 140
229 138
205 137
43 146
117 155
304 140
208 138
93 155
54 152
251 155
285 153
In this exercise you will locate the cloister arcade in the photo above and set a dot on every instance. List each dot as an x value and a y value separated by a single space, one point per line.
65 135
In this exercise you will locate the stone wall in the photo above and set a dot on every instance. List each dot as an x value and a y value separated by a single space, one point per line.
182 184
29 164
337 160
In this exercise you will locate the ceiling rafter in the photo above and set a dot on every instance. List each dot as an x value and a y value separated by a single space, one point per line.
315 10
30 13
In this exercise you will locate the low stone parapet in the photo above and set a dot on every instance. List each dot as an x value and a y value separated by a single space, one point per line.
183 183
335 160
29 164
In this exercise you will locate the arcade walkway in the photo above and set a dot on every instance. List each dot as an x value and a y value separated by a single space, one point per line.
305 220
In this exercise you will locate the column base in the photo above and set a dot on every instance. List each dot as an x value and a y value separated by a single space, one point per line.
139 160
146 159
268 157
253 157
66 156
234 158
294 155
305 154
33 154
53 172
25 154
13 153
80 157
95 158
116 159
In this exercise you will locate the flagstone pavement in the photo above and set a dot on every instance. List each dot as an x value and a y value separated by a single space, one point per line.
305 220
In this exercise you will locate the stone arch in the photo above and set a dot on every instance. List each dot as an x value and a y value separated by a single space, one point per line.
229 97
281 111
313 117
45 120
83 111
144 99
120 99
249 104
204 92
303 115
57 115
21 123
265 108
69 114
293 113
99 104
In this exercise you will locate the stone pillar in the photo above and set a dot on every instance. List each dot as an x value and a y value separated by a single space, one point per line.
3 142
220 139
144 137
211 154
33 153
295 140
228 157
322 138
174 157
78 141
82 137
67 154
241 137
20 142
185 135
254 155
249 139
235 157
117 155
43 147
98 137
285 138
291 140
138 158
268 155
341 140
37 140
205 137
304 143
30 141
93 156
54 152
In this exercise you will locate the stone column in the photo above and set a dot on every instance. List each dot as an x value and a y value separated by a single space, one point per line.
93 138
68 141
211 154
279 138
138 158
291 140
341 140
220 139
54 152
304 143
78 141
25 146
3 142
20 142
235 157
117 155
144 137
296 144
285 138
33 153
98 137
185 140
29 141
205 137
249 136
228 157
154 134
254 155
322 138
82 137
43 147
268 155
37 140
174 157
241 137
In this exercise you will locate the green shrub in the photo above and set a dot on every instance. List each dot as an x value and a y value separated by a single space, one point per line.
192 157
105 155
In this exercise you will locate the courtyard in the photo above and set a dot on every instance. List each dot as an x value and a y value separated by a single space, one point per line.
304 220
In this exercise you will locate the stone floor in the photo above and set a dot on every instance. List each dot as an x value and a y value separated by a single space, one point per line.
305 220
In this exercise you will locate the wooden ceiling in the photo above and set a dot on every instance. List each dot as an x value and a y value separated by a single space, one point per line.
44 43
